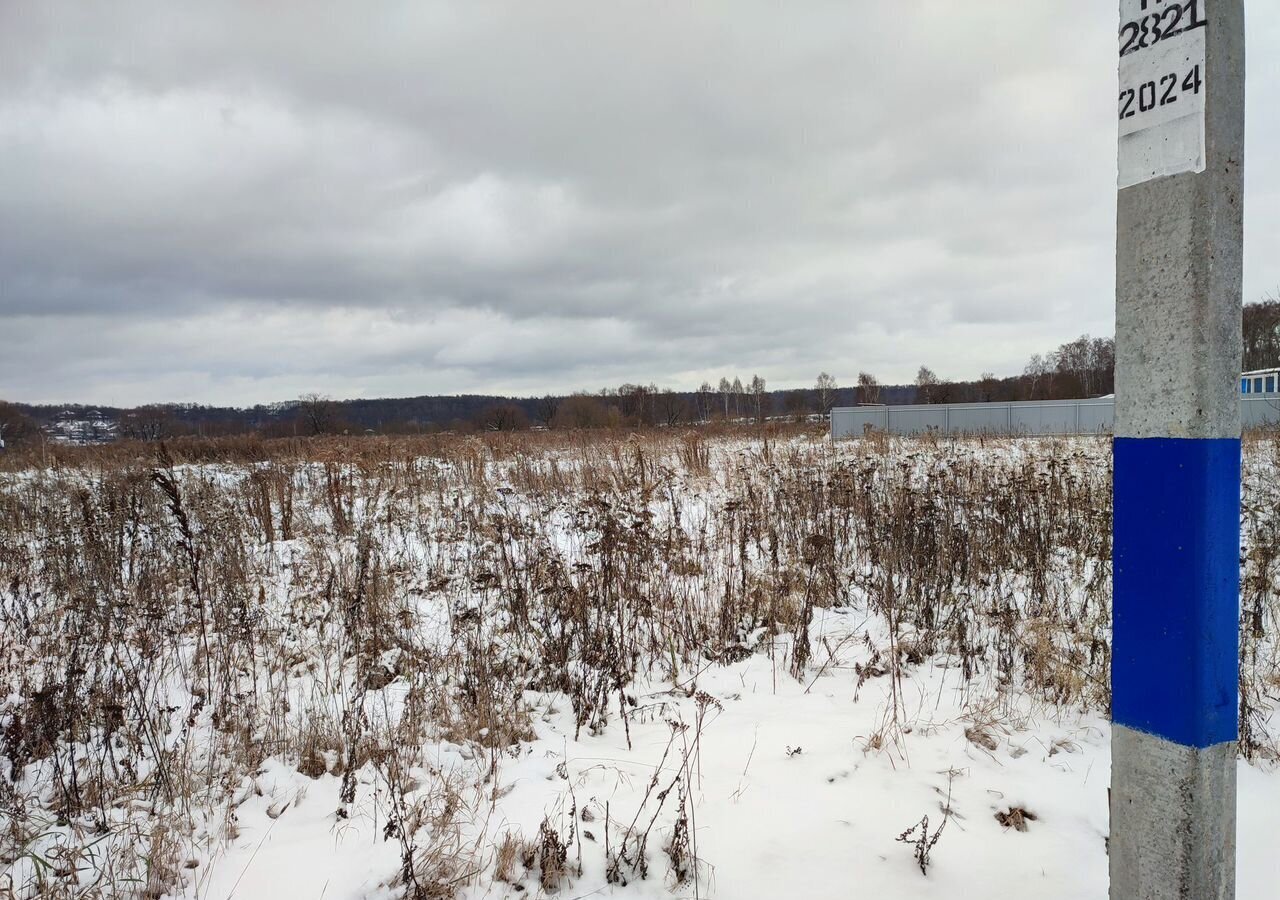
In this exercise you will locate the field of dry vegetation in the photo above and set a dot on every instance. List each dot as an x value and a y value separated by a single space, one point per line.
175 621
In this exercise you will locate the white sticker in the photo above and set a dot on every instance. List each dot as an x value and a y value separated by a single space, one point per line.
1162 88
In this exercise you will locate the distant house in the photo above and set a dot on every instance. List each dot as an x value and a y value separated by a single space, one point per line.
1260 381
81 426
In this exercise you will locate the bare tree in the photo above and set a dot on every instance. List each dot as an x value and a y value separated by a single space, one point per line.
798 405
1037 374
583 411
545 409
1072 359
987 386
926 385
868 388
1084 367
757 396
502 417
704 401
738 394
148 423
1103 358
1260 330
826 388
636 403
671 407
946 392
16 427
319 413
725 389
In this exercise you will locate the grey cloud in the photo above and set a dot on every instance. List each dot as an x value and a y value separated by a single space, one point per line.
239 202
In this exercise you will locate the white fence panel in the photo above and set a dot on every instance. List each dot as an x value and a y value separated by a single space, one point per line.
1035 417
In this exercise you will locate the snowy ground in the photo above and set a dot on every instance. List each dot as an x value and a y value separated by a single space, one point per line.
790 795
340 702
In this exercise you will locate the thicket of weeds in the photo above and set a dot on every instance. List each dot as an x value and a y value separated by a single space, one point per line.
171 625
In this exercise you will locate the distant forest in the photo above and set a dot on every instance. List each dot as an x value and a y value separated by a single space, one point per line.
1084 367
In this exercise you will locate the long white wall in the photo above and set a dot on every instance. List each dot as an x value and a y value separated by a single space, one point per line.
1034 417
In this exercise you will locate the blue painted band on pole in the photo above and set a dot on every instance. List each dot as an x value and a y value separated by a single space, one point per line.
1176 553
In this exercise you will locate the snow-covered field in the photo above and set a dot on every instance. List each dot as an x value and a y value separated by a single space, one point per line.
652 667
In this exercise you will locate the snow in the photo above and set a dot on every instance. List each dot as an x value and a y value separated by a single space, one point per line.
790 798
789 786
291 844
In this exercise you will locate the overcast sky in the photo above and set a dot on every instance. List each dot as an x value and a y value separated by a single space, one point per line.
242 202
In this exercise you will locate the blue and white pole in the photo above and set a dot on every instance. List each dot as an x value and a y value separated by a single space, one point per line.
1175 663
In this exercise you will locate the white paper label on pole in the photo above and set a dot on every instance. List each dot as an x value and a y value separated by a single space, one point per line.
1162 88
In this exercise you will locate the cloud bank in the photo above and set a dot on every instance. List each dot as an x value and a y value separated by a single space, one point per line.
249 201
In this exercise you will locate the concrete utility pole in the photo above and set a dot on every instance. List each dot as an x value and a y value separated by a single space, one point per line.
1175 664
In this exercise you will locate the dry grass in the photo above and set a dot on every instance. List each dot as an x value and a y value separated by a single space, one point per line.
172 620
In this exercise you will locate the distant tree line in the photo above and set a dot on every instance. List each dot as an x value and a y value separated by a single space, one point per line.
16 426
1261 334
1084 367
628 405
